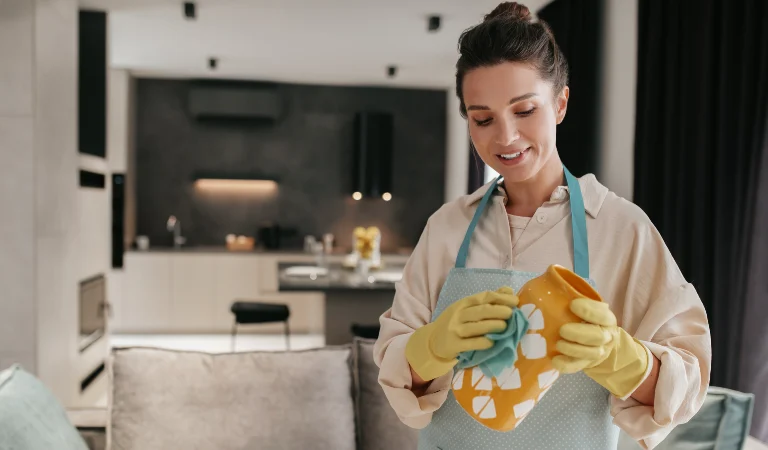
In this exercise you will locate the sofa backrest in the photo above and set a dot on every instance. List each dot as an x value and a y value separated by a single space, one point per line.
378 426
31 417
321 399
163 399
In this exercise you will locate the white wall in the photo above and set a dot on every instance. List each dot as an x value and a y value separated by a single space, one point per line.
119 150
457 150
56 198
52 233
17 190
38 189
619 77
118 92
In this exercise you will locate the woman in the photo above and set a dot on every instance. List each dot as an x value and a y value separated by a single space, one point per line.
642 363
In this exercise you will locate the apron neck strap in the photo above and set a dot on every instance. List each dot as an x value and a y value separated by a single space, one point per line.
461 260
578 225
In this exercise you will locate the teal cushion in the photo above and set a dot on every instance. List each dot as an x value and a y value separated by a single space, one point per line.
722 423
31 418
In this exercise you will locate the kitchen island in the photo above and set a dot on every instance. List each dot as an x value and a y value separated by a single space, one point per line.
350 299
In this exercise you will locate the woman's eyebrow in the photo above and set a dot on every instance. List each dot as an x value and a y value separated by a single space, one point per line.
514 100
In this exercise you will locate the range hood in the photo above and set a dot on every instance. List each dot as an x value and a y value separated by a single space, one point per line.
237 101
372 166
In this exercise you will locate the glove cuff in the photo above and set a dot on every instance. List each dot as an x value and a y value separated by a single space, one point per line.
625 369
422 359
647 367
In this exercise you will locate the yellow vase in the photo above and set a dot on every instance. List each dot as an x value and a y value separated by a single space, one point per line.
501 403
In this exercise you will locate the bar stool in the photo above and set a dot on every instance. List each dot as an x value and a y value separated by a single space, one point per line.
247 312
365 331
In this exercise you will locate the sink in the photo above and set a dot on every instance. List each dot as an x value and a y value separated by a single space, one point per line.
305 271
387 277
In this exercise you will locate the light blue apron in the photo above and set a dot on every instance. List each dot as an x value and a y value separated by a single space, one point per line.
573 415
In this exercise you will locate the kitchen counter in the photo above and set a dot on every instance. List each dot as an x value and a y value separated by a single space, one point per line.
217 249
283 254
350 300
340 279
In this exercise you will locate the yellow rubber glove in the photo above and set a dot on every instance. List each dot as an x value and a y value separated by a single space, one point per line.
603 350
433 349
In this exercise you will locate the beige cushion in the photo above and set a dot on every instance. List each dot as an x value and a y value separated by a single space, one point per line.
164 399
378 425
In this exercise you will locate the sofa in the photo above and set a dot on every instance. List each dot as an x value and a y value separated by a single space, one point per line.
324 398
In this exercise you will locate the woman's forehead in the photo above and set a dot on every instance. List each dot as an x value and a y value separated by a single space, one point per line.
501 82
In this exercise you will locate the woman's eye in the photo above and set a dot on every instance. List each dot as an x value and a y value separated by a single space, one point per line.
526 113
482 123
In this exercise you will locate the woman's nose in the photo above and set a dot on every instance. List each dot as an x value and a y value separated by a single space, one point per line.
507 132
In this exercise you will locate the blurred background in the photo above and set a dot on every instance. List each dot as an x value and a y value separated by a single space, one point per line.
191 175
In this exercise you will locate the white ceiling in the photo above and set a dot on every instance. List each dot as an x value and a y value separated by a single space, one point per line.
347 42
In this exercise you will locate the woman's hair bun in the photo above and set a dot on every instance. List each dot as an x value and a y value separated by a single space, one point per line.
512 11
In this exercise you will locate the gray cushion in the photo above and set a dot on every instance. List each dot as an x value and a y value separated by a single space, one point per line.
31 417
163 399
378 425
722 423
96 439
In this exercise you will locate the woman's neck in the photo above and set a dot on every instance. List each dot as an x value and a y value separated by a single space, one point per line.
525 197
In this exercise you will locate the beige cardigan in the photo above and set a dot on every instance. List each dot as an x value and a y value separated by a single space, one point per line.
629 262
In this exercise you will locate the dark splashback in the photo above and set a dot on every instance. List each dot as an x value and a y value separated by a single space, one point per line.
310 151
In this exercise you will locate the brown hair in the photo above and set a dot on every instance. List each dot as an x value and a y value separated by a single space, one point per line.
508 34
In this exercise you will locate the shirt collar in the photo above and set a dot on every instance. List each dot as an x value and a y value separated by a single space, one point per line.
592 191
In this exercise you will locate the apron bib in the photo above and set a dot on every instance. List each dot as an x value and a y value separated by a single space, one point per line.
575 412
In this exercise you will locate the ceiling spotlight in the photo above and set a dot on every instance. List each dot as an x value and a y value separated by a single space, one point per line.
391 71
433 23
357 196
212 63
386 196
190 10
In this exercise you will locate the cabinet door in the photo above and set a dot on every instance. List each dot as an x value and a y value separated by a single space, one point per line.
193 281
237 278
146 303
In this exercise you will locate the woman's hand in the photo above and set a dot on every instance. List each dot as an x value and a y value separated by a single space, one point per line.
433 349
602 349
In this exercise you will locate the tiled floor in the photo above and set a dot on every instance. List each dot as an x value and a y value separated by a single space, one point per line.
218 343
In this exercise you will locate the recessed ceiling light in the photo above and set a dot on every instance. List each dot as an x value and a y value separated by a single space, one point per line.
190 10
433 24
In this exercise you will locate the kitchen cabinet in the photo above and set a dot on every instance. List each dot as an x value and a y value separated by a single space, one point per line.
146 303
191 292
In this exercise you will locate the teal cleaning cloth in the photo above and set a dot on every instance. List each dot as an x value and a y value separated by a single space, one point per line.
503 354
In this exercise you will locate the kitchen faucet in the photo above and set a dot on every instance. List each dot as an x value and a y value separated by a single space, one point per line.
174 225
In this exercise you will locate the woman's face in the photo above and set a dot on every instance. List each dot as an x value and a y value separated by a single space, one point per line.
512 116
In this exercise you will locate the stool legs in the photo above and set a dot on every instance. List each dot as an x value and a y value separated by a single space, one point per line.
287 337
234 334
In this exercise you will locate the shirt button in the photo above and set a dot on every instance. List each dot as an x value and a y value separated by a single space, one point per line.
541 218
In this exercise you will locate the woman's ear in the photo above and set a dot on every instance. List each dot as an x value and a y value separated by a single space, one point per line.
561 104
